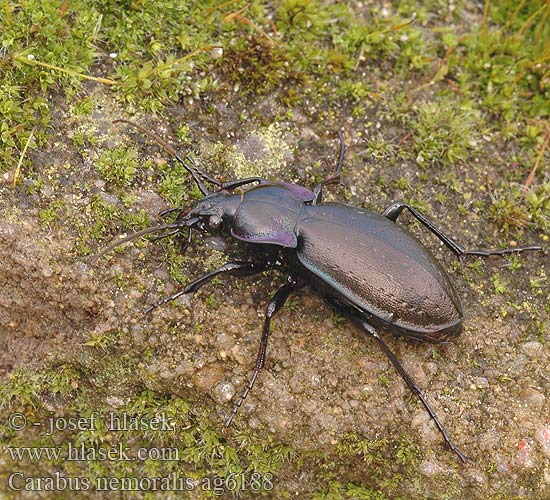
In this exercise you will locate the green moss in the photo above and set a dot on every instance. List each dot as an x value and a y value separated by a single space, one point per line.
174 184
63 381
35 31
445 132
505 65
100 219
82 106
103 340
22 387
508 210
259 67
337 490
118 166
378 463
538 205
49 215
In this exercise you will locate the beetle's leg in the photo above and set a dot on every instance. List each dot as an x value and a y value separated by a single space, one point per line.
408 380
185 244
240 268
393 211
318 190
277 301
230 185
166 235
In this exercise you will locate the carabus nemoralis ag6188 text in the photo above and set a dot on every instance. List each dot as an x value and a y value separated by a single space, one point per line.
364 264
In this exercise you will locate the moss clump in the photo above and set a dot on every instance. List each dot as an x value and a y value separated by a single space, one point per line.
445 132
259 67
118 165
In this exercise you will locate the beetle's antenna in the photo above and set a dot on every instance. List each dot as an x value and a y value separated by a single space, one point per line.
147 230
187 162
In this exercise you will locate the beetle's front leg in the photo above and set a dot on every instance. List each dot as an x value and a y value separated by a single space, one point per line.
395 209
277 301
239 268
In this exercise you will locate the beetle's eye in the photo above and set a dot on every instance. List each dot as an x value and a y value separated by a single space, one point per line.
214 221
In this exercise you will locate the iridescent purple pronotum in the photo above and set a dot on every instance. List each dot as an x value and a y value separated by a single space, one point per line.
365 265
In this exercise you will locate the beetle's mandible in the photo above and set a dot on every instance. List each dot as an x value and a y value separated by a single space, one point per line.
364 264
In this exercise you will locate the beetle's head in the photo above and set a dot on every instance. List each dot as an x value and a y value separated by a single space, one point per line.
215 211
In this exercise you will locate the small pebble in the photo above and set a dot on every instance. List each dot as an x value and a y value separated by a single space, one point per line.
115 401
524 455
223 392
543 437
427 469
532 349
216 53
533 398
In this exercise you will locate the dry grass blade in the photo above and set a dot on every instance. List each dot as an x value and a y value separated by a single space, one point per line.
34 62
21 157
531 176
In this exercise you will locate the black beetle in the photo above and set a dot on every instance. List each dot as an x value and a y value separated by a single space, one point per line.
364 264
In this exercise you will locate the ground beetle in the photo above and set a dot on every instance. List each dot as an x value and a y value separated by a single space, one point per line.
364 264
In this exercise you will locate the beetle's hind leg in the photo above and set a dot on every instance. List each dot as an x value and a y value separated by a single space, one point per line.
395 209
367 327
275 304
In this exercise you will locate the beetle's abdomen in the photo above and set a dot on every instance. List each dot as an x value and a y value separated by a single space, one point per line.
379 267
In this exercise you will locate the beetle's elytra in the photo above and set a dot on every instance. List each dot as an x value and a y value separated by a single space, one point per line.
364 264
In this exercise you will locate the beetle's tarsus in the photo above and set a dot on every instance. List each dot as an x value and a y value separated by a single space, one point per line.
505 251
342 153
165 300
241 399
462 457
